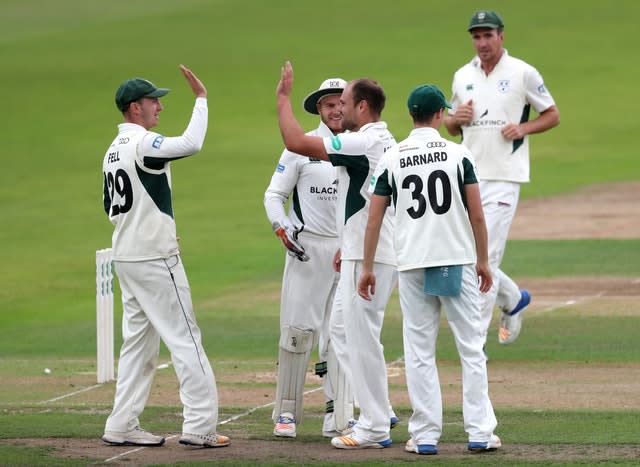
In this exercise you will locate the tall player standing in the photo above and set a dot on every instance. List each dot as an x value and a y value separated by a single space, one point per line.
156 298
309 281
491 98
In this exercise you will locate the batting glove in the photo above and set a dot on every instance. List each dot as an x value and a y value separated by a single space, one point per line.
289 237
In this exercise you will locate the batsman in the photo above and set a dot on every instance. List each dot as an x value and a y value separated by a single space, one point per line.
309 234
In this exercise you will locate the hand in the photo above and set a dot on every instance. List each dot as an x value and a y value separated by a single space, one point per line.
337 261
286 81
196 85
289 238
512 131
484 276
367 283
464 113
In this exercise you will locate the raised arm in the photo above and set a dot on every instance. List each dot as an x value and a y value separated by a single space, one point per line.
196 85
156 150
295 140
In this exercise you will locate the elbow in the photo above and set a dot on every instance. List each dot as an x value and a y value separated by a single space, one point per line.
553 116
193 146
556 118
452 128
477 220
292 144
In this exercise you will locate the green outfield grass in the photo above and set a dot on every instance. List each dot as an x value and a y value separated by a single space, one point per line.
62 62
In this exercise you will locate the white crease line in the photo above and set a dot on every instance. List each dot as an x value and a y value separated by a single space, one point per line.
72 394
64 396
576 301
133 451
235 417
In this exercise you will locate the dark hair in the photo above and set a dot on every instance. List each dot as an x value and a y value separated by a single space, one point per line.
366 89
423 119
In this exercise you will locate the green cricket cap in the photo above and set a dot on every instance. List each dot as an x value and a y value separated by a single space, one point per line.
485 19
133 89
425 100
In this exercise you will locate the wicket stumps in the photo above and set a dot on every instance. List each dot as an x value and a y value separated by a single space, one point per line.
104 314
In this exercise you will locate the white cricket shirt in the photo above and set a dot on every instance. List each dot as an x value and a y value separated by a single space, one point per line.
425 176
356 156
313 186
137 186
506 95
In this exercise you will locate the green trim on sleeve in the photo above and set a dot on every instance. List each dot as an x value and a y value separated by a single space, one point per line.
158 163
382 186
469 172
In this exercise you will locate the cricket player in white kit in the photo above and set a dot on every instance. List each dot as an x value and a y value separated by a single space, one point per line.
491 98
156 297
309 281
438 227
355 323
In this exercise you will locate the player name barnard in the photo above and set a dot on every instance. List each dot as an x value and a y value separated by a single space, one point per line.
419 159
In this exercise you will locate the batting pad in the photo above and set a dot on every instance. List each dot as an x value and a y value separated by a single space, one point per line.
341 389
293 358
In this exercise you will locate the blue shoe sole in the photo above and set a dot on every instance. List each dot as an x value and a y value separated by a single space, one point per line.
393 422
476 446
386 443
427 449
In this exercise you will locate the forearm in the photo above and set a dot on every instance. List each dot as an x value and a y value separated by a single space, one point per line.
452 125
546 120
274 206
478 224
371 237
175 147
291 131
377 209
481 238
294 137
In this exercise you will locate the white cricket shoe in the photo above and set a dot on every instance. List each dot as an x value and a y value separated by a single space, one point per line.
491 445
511 322
351 441
135 437
285 426
329 429
210 440
425 449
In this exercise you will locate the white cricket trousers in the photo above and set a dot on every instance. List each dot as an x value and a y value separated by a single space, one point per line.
356 325
499 202
156 301
421 322
308 289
